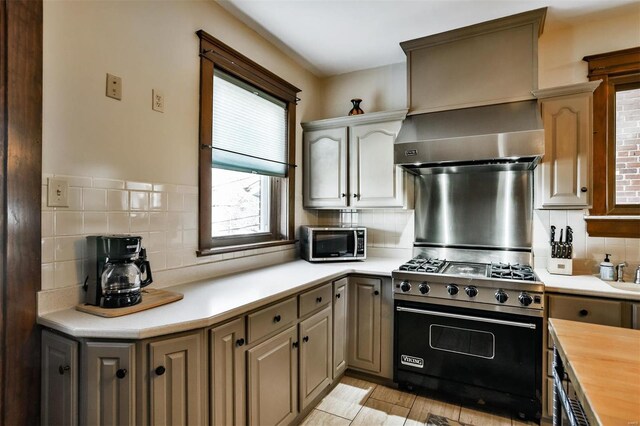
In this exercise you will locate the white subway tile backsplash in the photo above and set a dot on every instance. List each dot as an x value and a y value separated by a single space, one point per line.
108 183
47 224
118 223
165 187
558 218
190 239
175 201
174 220
68 273
117 200
95 223
48 250
139 221
190 220
94 199
188 189
174 239
75 199
139 200
157 221
47 276
157 241
174 259
69 248
158 201
138 186
157 260
190 203
79 181
67 223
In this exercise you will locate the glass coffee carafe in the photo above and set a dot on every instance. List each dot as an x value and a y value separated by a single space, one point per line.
122 279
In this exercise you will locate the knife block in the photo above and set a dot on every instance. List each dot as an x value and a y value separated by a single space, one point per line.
560 266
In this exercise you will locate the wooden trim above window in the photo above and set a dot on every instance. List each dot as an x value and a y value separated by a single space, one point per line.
613 68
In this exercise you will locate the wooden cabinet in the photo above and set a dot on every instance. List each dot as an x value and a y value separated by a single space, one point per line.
340 326
364 323
59 393
177 379
108 385
227 366
316 350
348 162
273 380
564 175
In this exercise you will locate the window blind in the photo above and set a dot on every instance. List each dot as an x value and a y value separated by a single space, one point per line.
249 128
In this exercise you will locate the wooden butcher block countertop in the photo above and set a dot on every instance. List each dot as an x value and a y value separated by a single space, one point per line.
603 364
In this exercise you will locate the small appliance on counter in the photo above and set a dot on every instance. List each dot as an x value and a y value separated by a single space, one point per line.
116 265
561 261
328 244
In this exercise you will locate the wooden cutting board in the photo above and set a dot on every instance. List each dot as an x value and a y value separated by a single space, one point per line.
151 298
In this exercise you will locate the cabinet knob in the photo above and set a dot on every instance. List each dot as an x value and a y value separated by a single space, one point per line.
240 342
338 296
121 373
318 299
62 369
343 195
160 370
375 293
355 195
277 318
583 312
583 189
305 339
294 344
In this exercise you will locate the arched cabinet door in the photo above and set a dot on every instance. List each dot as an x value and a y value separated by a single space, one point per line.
325 168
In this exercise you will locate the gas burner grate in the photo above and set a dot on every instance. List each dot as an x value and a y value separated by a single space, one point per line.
421 264
513 272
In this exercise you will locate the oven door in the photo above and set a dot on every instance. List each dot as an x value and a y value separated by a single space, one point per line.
483 349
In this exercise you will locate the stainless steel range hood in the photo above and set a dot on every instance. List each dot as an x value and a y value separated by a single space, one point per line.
506 136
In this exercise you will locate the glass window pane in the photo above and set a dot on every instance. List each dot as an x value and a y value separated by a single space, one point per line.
628 146
240 203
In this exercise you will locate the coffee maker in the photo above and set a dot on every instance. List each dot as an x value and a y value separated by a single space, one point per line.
115 267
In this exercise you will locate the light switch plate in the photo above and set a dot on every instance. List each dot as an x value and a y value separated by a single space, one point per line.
158 100
114 87
57 192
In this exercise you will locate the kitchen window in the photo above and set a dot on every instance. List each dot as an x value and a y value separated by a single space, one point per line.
247 147
616 144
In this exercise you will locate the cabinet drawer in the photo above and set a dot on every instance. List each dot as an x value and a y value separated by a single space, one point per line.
315 299
595 311
271 319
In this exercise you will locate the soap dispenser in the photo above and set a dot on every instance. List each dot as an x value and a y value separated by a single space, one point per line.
606 269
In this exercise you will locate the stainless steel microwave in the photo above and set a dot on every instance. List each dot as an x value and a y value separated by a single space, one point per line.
320 244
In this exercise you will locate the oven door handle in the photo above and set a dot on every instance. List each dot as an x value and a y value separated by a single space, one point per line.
467 317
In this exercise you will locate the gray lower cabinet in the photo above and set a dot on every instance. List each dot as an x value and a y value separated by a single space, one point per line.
227 366
364 323
273 379
316 350
107 390
59 397
177 380
339 326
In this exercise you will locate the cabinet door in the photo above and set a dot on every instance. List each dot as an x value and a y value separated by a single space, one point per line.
227 367
108 396
339 326
273 380
374 179
59 405
315 356
177 379
325 168
565 170
364 323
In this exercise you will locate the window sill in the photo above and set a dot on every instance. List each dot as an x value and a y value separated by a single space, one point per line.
613 226
243 247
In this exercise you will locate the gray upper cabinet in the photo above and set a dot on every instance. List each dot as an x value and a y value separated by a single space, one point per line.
340 326
348 162
59 396
564 175
107 393
364 323
177 379
227 369
316 371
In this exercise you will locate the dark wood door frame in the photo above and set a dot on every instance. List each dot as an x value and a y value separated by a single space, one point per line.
20 182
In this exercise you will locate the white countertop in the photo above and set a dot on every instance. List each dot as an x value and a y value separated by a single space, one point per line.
208 302
587 285
211 301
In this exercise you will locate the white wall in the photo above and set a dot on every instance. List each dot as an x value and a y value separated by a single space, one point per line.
145 155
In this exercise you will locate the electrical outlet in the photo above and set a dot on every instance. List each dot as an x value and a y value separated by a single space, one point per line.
58 192
114 87
158 100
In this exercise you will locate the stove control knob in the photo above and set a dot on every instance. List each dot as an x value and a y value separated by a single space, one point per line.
424 288
525 299
405 286
452 289
501 296
471 291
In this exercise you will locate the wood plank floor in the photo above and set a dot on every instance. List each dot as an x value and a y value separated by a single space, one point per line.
359 402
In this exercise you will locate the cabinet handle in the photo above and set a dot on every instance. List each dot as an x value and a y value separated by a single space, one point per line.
121 373
62 369
375 293
305 339
338 296
355 195
240 342
160 370
277 318
583 189
318 299
294 344
343 195
583 313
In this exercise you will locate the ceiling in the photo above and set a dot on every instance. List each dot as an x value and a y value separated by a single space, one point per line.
332 37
